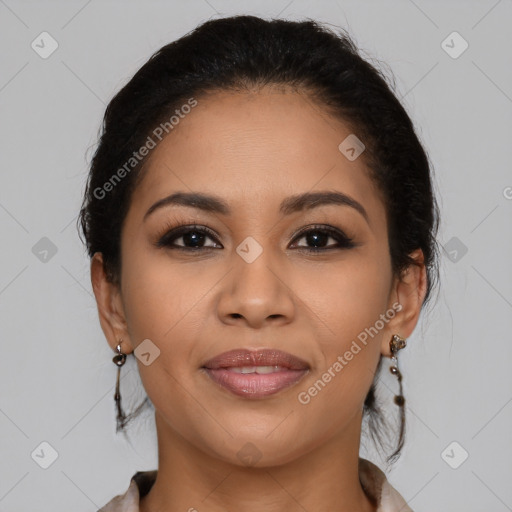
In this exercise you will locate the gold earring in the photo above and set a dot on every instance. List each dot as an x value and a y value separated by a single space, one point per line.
396 343
119 359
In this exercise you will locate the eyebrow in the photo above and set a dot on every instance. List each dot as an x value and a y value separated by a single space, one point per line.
292 204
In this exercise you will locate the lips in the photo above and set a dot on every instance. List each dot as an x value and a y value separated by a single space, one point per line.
256 373
245 357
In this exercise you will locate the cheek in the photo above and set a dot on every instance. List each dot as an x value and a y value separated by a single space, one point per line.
166 303
347 298
347 303
162 296
162 304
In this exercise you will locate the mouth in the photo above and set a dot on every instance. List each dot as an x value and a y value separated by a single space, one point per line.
255 374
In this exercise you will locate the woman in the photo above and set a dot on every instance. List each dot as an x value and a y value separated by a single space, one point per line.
261 225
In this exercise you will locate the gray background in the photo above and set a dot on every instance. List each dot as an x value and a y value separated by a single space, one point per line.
57 378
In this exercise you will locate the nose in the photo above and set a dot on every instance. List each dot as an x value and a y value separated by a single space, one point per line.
256 293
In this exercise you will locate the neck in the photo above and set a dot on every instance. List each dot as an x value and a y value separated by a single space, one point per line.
326 478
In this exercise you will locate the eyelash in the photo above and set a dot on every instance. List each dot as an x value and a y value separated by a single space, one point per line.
178 231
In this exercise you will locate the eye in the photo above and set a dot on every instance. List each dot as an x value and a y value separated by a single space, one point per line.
193 238
319 235
193 235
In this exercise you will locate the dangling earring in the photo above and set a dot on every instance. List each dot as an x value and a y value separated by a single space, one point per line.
119 359
395 345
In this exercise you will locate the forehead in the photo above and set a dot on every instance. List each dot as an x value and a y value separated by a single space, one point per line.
255 147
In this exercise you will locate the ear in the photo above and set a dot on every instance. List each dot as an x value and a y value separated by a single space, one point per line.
409 291
110 306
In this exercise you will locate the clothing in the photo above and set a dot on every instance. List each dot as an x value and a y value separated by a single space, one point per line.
372 478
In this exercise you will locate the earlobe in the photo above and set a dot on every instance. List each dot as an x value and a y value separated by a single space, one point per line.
110 307
409 291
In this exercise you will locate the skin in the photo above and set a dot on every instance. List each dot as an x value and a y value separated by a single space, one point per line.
253 149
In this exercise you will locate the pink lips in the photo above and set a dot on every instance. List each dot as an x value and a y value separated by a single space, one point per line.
225 369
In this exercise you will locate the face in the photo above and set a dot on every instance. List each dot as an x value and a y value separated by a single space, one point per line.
267 271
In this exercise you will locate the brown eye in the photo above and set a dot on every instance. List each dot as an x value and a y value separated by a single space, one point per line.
318 236
193 238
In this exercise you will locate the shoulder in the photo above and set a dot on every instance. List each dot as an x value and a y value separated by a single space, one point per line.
375 483
140 484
